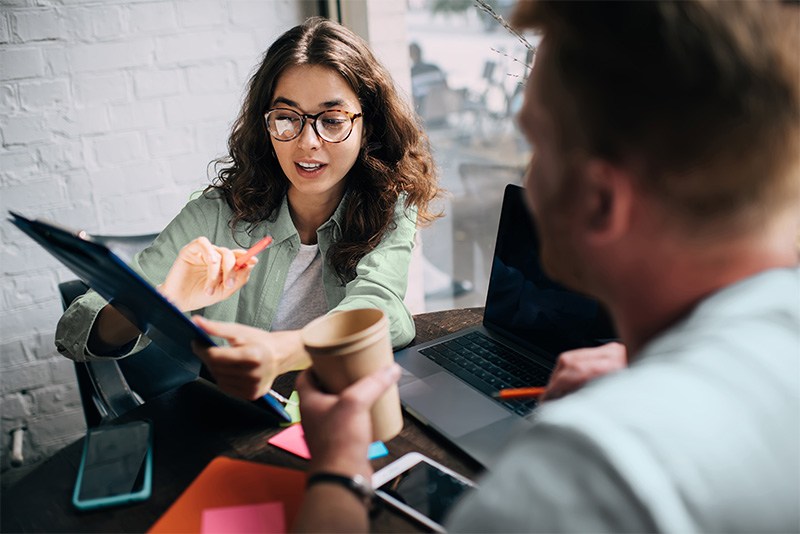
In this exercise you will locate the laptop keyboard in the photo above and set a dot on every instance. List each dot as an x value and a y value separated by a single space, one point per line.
489 366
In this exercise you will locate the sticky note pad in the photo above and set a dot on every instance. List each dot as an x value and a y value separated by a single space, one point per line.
245 519
376 450
293 439
226 482
293 409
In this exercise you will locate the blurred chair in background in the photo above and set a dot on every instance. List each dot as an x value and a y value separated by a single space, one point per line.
476 215
434 100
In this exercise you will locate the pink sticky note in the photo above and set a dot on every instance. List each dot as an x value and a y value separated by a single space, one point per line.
293 439
263 518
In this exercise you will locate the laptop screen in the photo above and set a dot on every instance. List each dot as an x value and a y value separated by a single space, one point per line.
524 304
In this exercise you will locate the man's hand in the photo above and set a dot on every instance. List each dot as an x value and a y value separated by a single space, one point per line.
338 428
248 366
204 274
577 367
338 431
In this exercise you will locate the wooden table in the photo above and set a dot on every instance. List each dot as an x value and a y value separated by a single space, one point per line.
194 424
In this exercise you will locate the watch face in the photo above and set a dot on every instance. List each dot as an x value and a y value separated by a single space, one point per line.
362 486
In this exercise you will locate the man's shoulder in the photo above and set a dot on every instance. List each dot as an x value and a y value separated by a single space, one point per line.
769 290
697 395
739 344
757 318
674 428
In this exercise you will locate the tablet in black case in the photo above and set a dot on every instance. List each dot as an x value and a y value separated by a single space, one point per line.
114 280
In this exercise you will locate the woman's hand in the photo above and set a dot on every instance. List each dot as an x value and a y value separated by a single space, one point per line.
204 274
338 428
577 367
248 366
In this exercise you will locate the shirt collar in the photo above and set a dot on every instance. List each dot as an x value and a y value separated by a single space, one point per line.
283 228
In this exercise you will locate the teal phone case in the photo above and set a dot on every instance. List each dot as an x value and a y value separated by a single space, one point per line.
124 498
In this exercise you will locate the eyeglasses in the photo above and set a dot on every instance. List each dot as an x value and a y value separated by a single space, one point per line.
332 125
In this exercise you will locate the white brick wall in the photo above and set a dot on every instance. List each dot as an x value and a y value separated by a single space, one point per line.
110 111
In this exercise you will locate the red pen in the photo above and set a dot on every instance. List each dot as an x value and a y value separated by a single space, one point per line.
520 393
252 251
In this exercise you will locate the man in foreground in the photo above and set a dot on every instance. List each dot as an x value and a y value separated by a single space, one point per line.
665 182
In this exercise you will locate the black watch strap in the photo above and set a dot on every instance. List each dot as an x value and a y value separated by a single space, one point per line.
357 484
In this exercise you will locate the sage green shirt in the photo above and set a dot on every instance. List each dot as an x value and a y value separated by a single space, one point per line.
380 282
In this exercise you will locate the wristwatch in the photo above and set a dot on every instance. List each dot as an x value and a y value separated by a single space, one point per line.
357 484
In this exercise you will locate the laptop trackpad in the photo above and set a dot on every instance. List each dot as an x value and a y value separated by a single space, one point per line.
450 405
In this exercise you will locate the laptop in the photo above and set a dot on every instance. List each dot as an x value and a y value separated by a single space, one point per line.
528 320
143 305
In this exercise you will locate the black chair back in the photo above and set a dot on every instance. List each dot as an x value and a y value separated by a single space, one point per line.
109 388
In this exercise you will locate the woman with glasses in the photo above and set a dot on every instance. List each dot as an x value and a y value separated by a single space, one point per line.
327 159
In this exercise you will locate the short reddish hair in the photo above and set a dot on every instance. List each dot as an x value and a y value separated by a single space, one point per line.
704 93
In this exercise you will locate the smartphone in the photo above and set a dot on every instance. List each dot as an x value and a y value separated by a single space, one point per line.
421 488
116 466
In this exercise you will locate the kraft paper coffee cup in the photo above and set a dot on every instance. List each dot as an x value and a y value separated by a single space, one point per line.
348 345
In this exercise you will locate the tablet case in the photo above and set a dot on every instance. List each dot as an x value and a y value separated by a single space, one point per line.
115 281
229 482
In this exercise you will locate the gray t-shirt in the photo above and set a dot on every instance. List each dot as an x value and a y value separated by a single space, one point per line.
700 434
303 293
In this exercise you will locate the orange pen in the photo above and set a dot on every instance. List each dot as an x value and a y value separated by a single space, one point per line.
520 393
252 251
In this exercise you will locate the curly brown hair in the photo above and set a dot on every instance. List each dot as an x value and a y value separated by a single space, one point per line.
395 158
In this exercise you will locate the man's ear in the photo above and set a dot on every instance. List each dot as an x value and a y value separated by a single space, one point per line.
608 201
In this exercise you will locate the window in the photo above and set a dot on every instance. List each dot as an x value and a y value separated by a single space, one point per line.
467 81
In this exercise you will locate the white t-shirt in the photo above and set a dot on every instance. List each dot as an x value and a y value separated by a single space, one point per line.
303 296
700 434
